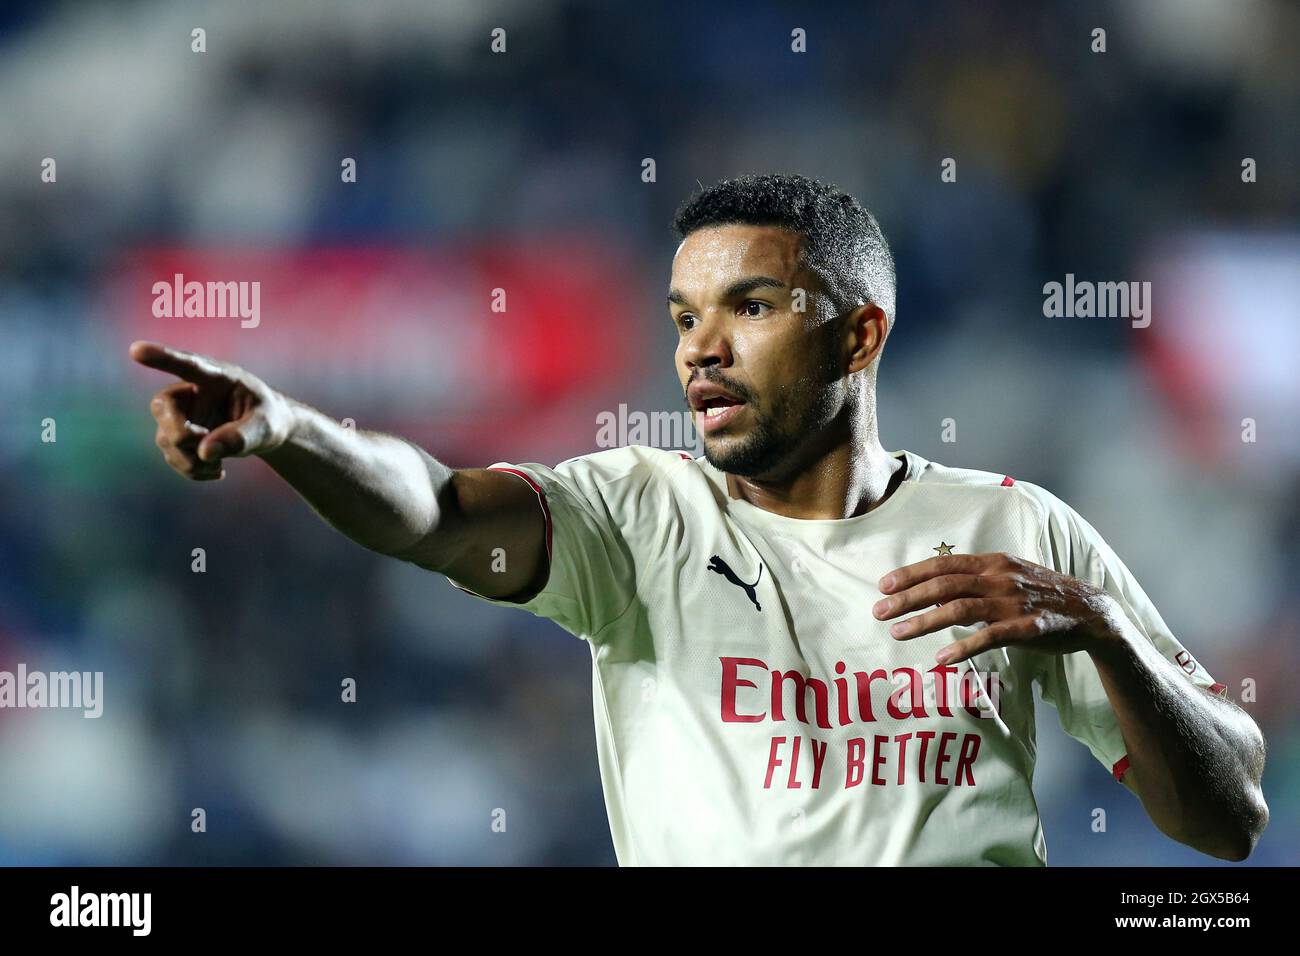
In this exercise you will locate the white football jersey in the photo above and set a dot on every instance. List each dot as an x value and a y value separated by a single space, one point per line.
750 709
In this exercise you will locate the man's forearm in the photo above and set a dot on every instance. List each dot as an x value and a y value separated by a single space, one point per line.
1197 758
380 491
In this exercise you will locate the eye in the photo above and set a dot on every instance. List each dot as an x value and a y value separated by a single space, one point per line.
682 318
750 303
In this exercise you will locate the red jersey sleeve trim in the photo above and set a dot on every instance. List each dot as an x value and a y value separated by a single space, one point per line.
546 514
541 498
1007 481
1120 768
1121 765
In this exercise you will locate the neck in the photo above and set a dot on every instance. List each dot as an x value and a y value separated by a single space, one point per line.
848 477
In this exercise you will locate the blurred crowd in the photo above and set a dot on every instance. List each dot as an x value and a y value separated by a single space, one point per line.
223 688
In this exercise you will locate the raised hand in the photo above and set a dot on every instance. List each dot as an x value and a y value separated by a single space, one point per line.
1023 604
216 411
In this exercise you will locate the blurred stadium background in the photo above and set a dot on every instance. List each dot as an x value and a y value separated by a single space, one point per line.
523 171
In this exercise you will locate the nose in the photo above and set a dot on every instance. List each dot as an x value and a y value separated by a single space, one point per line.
706 344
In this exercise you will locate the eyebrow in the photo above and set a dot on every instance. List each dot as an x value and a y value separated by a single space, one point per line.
735 290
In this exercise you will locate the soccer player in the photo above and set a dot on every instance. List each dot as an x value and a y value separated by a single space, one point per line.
805 649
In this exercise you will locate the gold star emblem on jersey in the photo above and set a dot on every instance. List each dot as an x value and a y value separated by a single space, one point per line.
944 548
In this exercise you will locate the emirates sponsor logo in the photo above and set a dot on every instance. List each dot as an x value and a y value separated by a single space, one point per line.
752 692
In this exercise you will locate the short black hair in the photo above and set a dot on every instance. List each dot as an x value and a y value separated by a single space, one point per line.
843 243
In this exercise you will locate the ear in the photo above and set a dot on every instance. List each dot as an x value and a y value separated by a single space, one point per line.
867 331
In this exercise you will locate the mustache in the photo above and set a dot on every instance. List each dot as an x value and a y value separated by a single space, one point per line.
741 393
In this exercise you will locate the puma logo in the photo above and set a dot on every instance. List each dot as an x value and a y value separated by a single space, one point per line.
717 565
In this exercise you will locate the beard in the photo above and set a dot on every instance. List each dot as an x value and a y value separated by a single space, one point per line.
761 450
799 414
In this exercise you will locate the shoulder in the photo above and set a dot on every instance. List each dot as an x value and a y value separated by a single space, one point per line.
1004 486
936 473
626 461
629 472
1067 542
997 489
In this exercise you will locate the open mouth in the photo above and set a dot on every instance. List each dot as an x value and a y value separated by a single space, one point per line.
718 411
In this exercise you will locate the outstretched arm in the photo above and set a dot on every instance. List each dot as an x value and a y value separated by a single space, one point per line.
383 492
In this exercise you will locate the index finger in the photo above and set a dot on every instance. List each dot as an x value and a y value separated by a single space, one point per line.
910 574
187 365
